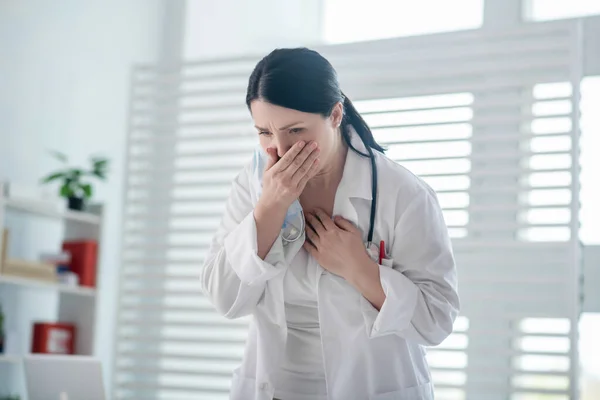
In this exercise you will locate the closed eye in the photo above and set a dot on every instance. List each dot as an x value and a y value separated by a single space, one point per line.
264 132
296 130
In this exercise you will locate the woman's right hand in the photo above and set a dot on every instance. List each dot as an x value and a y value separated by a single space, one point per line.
284 180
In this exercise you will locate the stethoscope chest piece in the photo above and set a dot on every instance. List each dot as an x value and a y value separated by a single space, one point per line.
293 227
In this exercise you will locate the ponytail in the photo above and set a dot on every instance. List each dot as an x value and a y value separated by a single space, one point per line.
352 117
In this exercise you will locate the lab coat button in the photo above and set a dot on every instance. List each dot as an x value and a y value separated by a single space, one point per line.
264 386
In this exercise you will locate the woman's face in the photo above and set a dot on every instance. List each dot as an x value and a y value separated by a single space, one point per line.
280 128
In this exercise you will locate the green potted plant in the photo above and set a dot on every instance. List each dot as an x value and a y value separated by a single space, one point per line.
75 182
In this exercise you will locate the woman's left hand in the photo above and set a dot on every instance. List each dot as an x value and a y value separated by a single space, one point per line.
336 245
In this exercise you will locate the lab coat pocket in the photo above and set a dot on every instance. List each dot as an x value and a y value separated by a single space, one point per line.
387 262
373 252
242 388
421 392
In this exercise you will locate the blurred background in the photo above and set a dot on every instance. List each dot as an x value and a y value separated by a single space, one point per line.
135 112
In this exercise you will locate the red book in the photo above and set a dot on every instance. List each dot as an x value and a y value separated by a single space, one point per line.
55 338
84 254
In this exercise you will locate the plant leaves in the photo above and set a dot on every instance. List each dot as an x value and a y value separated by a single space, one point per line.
66 191
99 174
101 165
87 190
74 175
53 176
59 156
99 162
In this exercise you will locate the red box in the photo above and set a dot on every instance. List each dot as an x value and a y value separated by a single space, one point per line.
57 338
84 254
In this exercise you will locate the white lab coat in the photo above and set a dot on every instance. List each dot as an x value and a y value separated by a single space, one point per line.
368 354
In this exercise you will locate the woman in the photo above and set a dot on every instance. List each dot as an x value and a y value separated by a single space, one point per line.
330 320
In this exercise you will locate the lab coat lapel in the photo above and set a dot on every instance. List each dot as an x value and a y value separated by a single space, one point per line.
355 183
356 180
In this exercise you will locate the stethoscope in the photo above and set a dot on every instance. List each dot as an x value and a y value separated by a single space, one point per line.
293 230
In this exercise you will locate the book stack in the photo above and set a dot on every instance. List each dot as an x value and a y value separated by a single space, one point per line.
3 247
24 269
30 270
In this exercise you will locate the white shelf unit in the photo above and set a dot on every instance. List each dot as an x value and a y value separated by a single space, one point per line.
10 359
57 287
50 210
37 226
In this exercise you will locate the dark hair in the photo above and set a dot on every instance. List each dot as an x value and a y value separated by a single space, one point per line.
303 80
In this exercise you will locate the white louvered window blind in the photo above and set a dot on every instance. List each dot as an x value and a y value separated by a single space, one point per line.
551 145
544 344
461 110
541 360
186 144
548 185
429 135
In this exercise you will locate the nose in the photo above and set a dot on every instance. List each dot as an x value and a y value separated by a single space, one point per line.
282 145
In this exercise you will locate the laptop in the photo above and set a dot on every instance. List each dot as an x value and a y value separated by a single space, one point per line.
57 377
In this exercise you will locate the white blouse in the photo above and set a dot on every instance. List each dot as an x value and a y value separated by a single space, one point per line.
301 375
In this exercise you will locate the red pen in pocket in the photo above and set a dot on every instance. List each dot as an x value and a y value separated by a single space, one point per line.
381 251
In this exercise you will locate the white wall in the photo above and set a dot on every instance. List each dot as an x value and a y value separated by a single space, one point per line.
64 78
228 27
